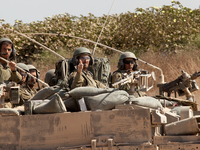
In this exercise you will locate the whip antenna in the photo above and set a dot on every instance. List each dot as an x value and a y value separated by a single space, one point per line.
102 28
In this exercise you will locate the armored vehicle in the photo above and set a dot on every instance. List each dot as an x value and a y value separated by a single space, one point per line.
128 125
59 119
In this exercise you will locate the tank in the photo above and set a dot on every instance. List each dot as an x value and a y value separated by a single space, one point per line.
126 126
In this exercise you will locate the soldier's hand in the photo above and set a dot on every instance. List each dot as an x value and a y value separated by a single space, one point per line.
12 65
80 66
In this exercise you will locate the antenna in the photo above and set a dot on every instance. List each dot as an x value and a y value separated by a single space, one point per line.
102 29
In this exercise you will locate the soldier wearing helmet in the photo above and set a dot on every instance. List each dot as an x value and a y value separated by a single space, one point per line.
8 70
127 63
22 73
81 76
25 95
30 83
50 77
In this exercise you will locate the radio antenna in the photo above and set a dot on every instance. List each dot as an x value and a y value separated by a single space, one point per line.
102 29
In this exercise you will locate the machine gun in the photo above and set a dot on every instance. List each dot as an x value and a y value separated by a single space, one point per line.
137 78
183 85
9 92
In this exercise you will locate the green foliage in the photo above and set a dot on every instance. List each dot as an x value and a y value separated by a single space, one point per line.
165 29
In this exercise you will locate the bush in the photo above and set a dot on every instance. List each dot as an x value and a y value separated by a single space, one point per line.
163 29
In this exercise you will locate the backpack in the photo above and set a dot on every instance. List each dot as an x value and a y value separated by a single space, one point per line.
63 69
101 70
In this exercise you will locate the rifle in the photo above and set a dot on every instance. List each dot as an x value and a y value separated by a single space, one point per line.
9 92
183 85
137 78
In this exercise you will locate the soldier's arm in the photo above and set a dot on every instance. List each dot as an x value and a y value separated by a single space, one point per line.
7 74
116 77
15 76
77 80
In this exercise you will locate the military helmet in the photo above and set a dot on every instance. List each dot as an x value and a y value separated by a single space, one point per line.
50 77
23 66
13 52
31 67
81 51
124 56
127 55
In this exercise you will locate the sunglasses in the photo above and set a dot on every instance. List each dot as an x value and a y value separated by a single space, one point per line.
85 58
129 61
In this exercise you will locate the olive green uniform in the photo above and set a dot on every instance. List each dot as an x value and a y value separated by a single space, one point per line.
121 74
84 79
24 95
32 91
6 74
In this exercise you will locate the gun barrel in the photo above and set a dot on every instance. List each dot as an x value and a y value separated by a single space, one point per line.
195 75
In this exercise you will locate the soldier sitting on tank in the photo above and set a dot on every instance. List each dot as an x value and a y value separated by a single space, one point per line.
8 70
24 94
30 84
127 64
50 77
81 76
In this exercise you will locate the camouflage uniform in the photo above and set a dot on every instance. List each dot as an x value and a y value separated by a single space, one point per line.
25 94
5 71
6 74
121 74
84 79
32 91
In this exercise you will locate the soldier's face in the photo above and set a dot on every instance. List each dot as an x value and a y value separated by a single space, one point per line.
128 63
6 51
33 80
23 74
85 60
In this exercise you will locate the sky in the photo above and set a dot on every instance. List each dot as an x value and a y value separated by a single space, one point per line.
37 10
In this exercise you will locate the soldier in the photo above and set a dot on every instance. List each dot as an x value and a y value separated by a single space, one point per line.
24 94
8 71
32 81
81 76
50 77
127 63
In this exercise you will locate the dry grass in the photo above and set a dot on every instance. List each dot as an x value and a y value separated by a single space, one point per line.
171 65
